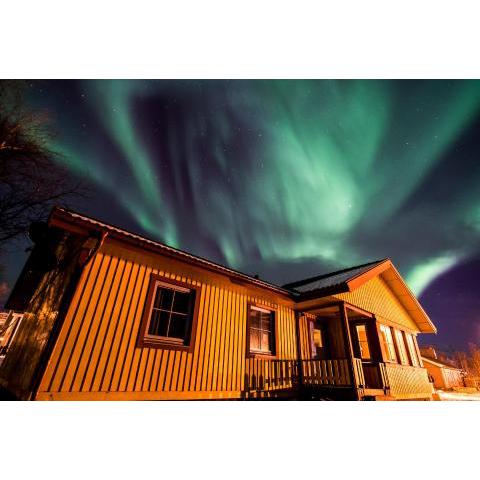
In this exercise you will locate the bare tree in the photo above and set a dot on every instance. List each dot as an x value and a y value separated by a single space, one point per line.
30 179
475 359
461 359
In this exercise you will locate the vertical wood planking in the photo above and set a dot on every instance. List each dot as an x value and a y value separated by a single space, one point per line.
66 351
202 343
117 361
81 361
111 334
103 323
96 350
125 360
78 342
78 299
213 320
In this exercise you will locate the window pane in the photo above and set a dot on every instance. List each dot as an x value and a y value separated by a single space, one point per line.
254 339
266 321
401 347
254 318
261 331
178 326
388 345
159 323
412 350
266 346
181 302
164 298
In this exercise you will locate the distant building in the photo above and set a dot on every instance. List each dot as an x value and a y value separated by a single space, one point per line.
445 374
113 315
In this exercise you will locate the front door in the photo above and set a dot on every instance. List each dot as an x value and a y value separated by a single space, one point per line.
362 348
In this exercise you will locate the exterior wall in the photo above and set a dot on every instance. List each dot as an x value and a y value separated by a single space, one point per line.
436 373
96 357
444 378
375 296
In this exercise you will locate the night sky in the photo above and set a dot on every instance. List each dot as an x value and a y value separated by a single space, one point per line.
288 179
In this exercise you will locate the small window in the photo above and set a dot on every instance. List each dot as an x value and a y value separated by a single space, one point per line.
387 340
169 314
402 351
261 327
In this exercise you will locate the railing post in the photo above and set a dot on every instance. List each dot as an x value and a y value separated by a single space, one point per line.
299 350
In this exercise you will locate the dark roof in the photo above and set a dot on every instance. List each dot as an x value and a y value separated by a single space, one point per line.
334 280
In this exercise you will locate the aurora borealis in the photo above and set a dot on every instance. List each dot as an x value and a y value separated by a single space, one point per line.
288 179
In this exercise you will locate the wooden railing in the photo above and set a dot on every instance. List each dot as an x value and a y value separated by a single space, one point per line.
326 372
268 375
375 375
271 375
359 374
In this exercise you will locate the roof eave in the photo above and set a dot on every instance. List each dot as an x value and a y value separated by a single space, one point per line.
80 224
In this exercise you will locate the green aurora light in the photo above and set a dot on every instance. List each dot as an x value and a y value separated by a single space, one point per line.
290 172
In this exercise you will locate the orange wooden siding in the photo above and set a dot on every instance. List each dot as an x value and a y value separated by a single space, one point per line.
376 296
96 350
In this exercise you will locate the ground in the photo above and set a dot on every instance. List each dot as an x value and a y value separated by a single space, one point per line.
458 395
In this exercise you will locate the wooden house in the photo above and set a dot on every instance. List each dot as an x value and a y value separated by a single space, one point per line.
444 374
111 315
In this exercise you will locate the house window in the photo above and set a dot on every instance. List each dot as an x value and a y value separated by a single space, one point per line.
171 313
387 340
261 327
363 341
402 351
412 350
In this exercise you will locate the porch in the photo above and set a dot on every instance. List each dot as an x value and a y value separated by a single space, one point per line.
342 355
311 379
315 379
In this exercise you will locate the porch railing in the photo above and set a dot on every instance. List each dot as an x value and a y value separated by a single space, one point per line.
375 375
359 373
269 375
326 372
403 381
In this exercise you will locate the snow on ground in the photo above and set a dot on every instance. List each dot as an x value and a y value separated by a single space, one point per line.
458 396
